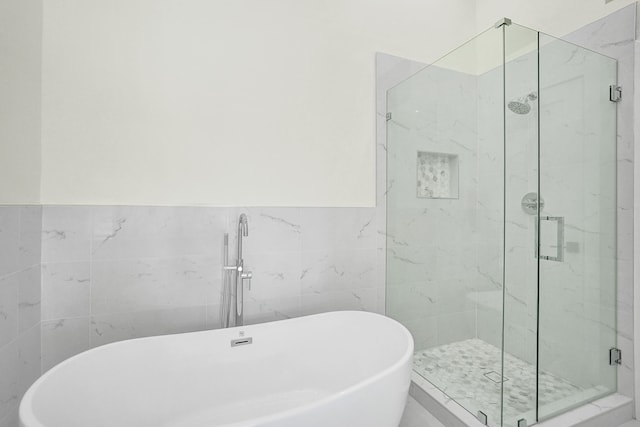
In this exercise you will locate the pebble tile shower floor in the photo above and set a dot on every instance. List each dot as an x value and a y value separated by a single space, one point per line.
469 372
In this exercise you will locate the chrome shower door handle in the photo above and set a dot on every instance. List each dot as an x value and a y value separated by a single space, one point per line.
559 257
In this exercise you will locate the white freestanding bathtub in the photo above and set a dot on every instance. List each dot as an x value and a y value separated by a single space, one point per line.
339 369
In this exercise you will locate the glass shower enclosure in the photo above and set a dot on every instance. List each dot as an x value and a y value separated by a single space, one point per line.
501 223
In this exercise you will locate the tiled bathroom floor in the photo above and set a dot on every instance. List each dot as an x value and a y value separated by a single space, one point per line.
469 372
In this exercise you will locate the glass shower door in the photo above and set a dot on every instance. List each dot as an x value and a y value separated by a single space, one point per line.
577 266
520 220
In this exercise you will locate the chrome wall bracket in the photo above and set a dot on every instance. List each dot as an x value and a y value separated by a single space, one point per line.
503 21
615 93
482 417
389 115
615 356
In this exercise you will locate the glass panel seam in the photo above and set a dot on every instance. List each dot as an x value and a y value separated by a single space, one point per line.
538 231
504 213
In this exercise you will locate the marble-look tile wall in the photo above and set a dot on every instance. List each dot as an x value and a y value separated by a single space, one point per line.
113 273
490 241
390 71
431 259
19 306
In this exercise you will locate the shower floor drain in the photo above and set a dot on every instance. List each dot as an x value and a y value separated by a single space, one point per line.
495 377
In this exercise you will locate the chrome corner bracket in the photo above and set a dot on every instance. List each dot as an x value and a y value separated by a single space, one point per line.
503 21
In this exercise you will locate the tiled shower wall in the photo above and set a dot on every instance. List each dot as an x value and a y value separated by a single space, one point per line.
19 306
432 267
113 273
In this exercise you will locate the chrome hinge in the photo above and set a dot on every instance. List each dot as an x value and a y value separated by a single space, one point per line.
482 417
522 422
388 116
615 93
615 356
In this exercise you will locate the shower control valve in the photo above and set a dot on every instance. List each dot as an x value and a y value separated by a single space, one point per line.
530 203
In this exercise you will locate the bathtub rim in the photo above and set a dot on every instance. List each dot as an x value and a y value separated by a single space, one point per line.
26 413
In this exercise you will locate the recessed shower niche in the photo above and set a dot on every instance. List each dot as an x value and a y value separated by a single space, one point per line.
437 175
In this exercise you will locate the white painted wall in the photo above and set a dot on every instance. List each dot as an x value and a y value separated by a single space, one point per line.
20 57
245 102
554 17
213 102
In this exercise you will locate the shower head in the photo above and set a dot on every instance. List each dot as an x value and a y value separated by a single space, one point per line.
521 105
